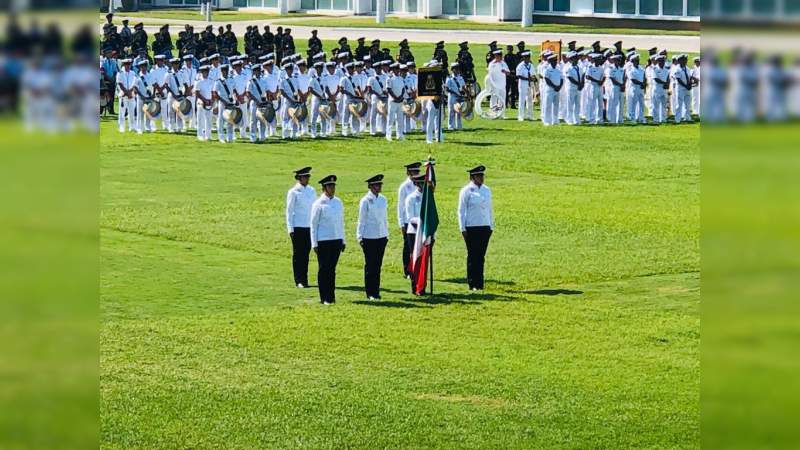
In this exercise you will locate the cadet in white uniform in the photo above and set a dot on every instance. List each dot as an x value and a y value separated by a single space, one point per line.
616 77
204 92
158 74
476 222
412 207
298 223
303 82
223 92
372 233
189 76
634 91
272 80
240 81
327 237
291 99
696 94
525 74
144 91
406 188
595 77
496 74
330 82
348 89
126 82
174 86
454 87
256 90
661 82
396 88
574 86
317 124
683 89
553 83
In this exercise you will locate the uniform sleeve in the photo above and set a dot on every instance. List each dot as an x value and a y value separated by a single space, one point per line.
362 213
491 210
462 210
290 199
401 207
386 217
341 222
314 224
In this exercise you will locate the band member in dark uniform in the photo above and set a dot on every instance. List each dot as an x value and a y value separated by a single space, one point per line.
372 233
314 44
298 222
288 42
465 62
512 61
344 47
404 56
440 54
406 188
490 53
375 51
361 49
327 237
268 40
476 221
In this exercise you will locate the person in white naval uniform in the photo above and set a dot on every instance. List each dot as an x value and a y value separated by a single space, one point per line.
525 75
634 91
327 238
496 80
204 93
661 82
126 82
553 83
298 223
595 78
372 233
174 89
396 89
454 88
683 89
574 84
256 90
406 188
413 205
615 74
317 92
476 222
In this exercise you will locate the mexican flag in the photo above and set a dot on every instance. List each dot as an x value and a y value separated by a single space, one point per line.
428 222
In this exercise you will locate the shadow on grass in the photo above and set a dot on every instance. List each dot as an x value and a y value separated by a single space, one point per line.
553 292
464 281
388 304
447 298
361 289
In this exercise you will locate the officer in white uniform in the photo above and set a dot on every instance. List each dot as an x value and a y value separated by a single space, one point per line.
553 83
144 91
525 75
634 90
156 80
189 76
327 237
574 84
496 76
454 88
126 82
377 90
330 82
594 79
298 223
204 92
317 124
256 94
240 81
347 87
291 98
406 188
174 88
476 222
360 81
396 88
372 233
683 90
223 92
661 82
615 74
412 207
410 77
303 82
272 80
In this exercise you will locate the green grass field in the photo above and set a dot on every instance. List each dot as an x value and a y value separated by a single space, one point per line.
587 335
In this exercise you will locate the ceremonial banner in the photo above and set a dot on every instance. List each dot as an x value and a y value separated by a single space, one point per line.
553 46
426 229
430 82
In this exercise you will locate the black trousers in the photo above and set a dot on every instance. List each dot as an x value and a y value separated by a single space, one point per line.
406 251
511 92
373 261
301 247
327 258
477 242
409 242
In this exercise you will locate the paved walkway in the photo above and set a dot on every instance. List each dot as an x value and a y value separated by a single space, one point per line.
689 44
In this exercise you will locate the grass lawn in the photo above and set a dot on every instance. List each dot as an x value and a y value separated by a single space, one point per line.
469 25
587 335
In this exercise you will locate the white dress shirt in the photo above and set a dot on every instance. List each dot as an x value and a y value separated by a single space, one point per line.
298 206
327 220
372 220
396 86
475 207
412 209
406 188
497 73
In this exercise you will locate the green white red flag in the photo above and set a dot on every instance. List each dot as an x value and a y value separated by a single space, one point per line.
426 229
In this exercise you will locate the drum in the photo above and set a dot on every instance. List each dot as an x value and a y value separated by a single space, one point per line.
358 108
382 107
412 108
327 110
182 107
298 112
152 109
266 113
232 115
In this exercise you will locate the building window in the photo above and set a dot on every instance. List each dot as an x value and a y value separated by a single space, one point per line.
341 4
731 6
484 7
792 6
693 8
673 7
465 7
411 6
603 6
648 7
308 4
561 5
541 5
450 7
626 6
764 7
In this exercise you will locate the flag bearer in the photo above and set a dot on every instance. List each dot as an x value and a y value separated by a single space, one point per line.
372 233
406 188
327 237
413 205
298 222
476 221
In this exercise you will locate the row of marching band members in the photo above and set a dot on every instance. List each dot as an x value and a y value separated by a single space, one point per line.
596 87
254 100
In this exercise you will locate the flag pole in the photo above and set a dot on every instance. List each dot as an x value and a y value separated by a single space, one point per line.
431 267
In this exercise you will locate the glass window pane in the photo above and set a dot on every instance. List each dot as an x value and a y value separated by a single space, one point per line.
764 7
693 7
541 5
603 6
792 6
449 6
254 3
465 7
395 5
175 2
731 6
648 7
190 2
626 6
411 6
561 5
307 4
239 3
340 4
673 7
323 4
273 3
483 7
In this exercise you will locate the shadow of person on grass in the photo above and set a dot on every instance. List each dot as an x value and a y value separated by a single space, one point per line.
446 298
552 292
389 304
361 289
464 281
